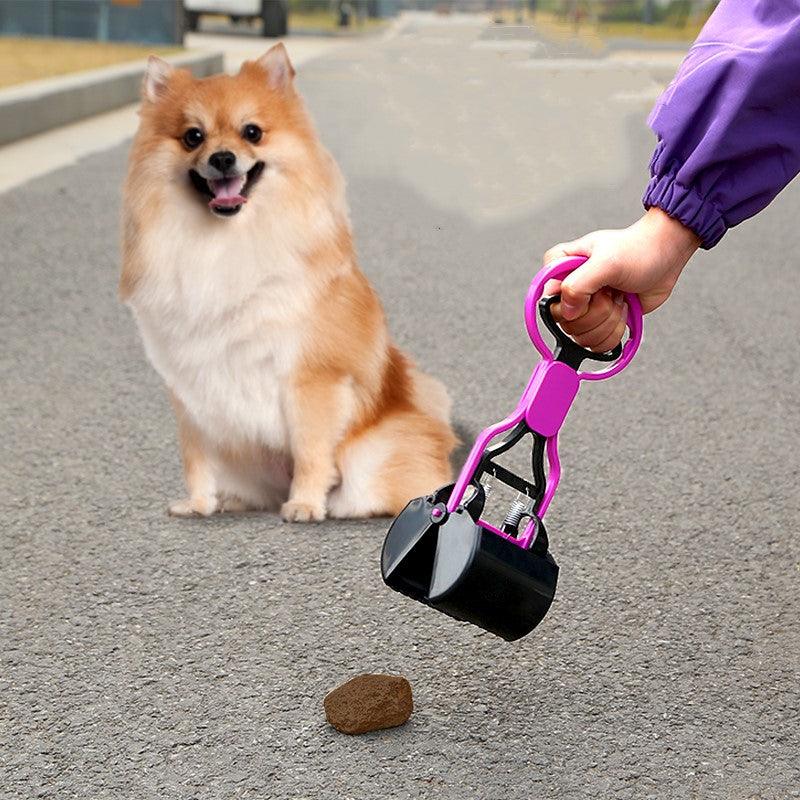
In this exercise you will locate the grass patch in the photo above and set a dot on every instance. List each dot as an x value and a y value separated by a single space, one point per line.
659 32
593 34
24 59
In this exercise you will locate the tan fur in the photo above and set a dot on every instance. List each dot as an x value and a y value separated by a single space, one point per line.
286 385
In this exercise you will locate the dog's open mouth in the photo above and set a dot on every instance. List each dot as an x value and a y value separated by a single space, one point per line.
226 196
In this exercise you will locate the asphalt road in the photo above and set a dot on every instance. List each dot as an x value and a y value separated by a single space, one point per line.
144 656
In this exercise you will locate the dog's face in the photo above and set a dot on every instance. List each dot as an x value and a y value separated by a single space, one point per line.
215 138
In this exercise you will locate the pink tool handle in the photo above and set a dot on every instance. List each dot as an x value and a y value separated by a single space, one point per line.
558 271
547 412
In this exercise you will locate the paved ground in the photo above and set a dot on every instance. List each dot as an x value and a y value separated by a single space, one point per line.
145 657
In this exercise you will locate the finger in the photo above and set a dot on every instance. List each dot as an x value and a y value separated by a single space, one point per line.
599 309
606 325
555 311
594 338
577 247
552 287
579 286
611 341
602 309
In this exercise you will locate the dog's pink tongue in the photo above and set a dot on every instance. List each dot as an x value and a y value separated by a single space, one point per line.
227 192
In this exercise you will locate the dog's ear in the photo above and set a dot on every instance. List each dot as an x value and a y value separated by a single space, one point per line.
156 77
275 62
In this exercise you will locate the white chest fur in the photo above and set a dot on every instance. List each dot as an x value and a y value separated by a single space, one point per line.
222 313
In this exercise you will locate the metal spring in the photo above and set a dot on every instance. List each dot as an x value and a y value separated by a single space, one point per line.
518 510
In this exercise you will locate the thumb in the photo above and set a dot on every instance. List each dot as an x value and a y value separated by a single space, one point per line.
578 287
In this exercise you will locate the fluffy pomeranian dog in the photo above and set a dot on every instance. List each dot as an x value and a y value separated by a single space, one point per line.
238 264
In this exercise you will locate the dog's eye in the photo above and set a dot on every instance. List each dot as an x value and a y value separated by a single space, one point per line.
252 133
193 138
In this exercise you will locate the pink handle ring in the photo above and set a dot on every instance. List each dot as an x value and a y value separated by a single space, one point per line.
558 271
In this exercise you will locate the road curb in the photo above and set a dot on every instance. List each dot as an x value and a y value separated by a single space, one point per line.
41 105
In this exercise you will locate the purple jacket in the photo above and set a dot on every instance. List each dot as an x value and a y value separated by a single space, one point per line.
728 125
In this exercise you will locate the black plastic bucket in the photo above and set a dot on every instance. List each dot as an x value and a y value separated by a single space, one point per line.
454 564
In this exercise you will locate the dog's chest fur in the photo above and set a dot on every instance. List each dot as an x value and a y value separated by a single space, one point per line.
222 313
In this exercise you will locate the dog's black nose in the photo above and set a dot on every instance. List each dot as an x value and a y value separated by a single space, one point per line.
222 160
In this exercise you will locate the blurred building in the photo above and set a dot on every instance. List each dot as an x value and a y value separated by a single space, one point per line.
150 21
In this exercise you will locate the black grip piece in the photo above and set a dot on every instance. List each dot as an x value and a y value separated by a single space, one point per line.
567 351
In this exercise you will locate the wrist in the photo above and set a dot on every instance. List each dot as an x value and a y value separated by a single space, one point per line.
672 236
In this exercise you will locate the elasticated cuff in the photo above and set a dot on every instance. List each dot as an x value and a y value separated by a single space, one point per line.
687 206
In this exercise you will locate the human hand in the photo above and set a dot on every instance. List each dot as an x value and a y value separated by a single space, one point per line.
646 258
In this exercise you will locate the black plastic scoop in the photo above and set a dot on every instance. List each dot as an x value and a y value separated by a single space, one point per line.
453 563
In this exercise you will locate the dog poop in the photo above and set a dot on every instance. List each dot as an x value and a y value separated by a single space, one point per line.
369 703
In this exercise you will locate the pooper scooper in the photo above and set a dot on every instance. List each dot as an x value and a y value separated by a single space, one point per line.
442 551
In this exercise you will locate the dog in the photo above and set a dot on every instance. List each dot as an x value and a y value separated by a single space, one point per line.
238 264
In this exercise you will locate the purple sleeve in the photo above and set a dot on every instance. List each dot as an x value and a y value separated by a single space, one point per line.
728 125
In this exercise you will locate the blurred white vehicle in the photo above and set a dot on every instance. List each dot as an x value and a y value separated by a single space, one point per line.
273 14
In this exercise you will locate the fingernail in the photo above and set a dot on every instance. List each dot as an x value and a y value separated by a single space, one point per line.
568 311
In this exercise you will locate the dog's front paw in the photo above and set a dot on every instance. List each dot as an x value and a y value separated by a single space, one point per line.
298 511
202 505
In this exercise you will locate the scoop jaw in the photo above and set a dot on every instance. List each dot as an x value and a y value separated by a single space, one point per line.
458 567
